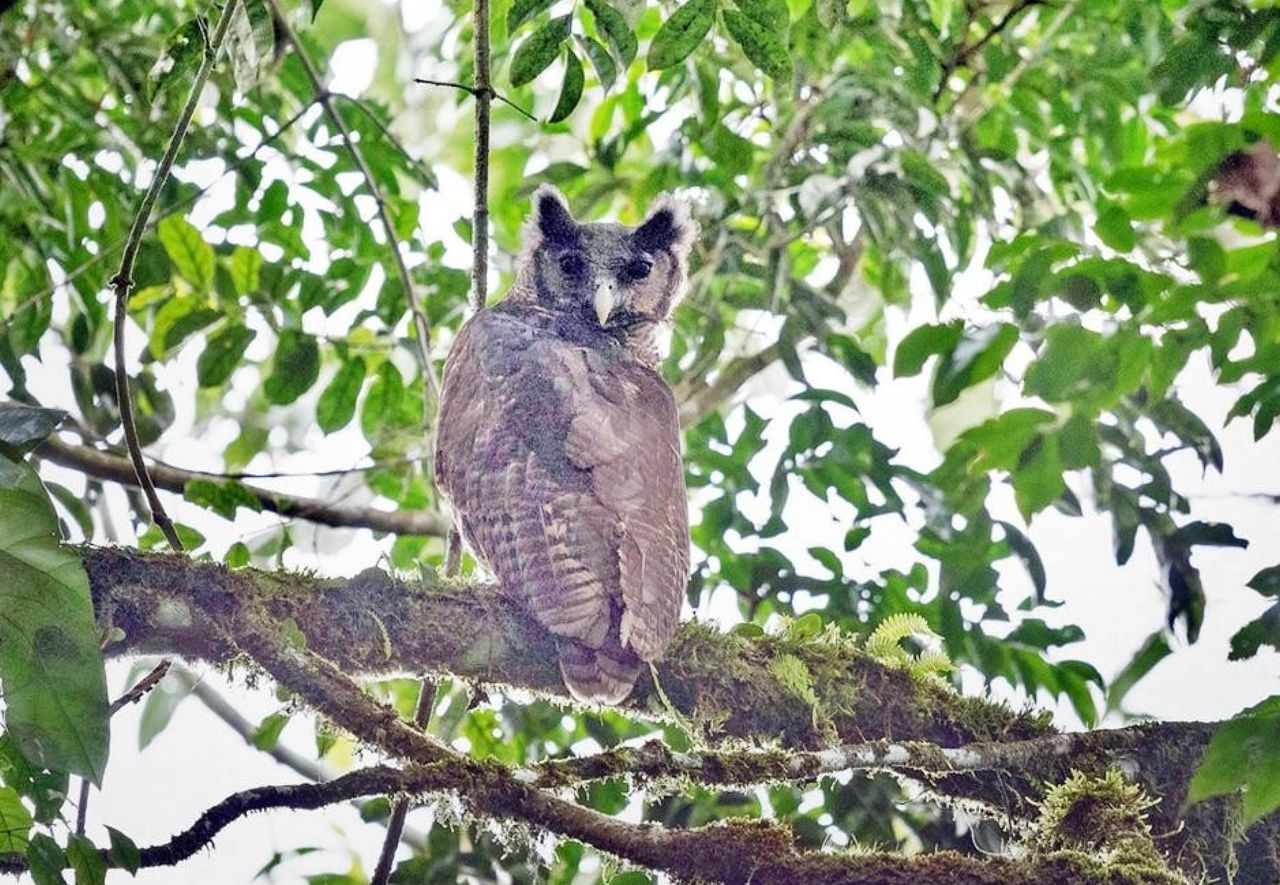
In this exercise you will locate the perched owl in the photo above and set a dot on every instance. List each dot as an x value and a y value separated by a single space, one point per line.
559 442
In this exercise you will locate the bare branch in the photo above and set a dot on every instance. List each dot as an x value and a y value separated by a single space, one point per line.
105 465
474 91
122 282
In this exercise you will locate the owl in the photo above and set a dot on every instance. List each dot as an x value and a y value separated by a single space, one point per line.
559 443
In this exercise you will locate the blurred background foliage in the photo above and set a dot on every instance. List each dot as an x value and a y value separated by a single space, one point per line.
1011 200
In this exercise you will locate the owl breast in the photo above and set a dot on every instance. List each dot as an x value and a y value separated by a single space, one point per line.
561 457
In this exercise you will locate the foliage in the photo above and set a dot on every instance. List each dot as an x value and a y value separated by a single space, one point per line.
1010 201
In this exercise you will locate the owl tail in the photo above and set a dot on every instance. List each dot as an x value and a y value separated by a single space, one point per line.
598 675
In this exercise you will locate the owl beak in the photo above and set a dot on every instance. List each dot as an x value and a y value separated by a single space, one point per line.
604 302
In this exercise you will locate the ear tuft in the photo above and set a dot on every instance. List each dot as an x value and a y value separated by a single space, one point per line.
669 226
551 216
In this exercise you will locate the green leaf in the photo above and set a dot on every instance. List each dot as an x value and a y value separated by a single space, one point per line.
523 10
606 68
976 357
222 354
1115 229
251 42
188 251
90 867
922 343
50 664
222 496
1037 481
24 427
616 30
337 405
681 33
570 90
161 703
15 821
539 50
47 790
55 688
1267 581
46 860
181 55
179 318
267 734
1153 651
1244 754
124 853
763 46
383 400
245 266
294 369
1022 547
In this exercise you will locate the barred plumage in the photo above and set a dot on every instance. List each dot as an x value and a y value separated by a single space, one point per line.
559 442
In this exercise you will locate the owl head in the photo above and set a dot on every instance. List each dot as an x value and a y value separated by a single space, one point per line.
615 277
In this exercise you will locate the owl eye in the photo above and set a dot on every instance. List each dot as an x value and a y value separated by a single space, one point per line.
573 264
637 269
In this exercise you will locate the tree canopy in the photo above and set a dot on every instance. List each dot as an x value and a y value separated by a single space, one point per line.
240 238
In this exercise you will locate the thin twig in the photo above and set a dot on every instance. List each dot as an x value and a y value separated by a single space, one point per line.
395 823
312 770
109 466
139 691
967 50
422 328
474 92
122 282
132 696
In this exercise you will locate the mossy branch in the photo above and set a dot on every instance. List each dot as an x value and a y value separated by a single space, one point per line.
724 683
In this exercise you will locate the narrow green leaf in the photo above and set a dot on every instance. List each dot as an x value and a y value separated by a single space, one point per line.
245 266
523 10
383 400
616 30
15 822
681 33
251 42
1022 547
160 705
606 68
1152 652
188 251
763 47
337 405
1267 581
295 368
570 90
222 354
51 669
539 50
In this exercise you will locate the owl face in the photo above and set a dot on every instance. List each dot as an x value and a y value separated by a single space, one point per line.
607 275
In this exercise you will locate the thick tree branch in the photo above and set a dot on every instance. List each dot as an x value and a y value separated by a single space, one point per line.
109 466
736 852
723 683
374 624
698 400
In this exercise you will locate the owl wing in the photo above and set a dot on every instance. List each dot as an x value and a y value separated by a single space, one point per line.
625 431
527 511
